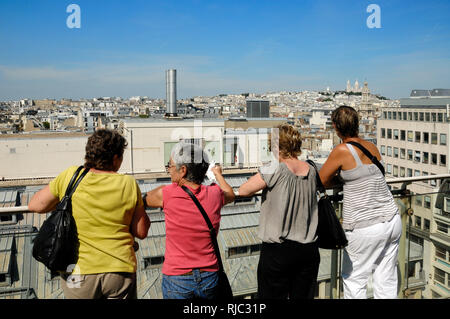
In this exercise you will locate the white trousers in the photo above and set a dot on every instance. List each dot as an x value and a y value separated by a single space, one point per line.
372 250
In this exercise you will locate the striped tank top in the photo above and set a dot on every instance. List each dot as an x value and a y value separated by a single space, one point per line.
367 199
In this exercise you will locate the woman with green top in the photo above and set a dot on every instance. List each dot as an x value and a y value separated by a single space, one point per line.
109 212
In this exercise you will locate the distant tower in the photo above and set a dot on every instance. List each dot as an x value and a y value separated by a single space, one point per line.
365 93
171 93
356 87
366 106
349 86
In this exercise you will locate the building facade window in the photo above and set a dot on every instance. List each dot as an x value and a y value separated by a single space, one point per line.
434 158
442 160
426 138
425 157
383 133
418 200
153 262
402 135
418 222
425 174
396 152
243 250
410 155
417 156
395 134
441 227
439 275
426 224
427 201
410 136
442 253
434 138
389 151
421 116
383 150
402 153
389 133
417 140
433 181
427 117
443 139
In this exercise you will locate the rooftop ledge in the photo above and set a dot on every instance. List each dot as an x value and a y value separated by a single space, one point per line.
403 180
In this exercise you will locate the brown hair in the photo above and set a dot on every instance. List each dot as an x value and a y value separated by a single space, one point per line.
101 148
346 121
289 141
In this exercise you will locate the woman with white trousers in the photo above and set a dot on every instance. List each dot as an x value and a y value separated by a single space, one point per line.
371 218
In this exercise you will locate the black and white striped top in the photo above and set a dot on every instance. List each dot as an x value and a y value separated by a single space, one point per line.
367 199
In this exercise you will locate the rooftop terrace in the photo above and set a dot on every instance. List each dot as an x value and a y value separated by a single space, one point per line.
23 277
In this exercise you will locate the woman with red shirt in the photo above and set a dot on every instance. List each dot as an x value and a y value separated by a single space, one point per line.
190 264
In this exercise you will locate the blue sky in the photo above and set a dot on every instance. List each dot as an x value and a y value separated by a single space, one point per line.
124 47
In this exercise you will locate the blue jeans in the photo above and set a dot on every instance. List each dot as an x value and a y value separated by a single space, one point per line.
198 285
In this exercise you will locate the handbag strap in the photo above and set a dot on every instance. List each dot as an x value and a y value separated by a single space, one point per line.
373 158
71 187
212 231
319 184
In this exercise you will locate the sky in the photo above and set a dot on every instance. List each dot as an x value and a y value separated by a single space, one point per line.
123 48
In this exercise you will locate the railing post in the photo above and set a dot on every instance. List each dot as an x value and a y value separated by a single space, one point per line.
404 205
334 260
334 275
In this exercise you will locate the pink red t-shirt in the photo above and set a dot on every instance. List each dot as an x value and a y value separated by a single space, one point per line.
188 243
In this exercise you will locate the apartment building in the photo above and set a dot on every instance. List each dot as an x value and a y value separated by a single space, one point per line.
413 141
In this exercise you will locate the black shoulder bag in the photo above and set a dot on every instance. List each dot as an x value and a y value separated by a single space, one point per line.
56 244
373 158
224 291
330 233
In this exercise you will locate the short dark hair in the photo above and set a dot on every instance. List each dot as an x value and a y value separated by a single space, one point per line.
101 148
346 121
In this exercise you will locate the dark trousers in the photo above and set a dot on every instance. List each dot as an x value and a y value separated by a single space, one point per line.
288 270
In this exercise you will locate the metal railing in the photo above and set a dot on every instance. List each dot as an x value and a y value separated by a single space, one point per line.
406 202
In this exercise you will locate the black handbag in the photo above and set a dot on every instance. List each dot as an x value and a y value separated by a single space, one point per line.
56 244
224 291
330 233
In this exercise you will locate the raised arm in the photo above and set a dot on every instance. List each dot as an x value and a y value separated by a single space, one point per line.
154 198
226 188
43 201
252 185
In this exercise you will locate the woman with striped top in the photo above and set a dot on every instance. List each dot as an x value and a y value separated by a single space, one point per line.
371 219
